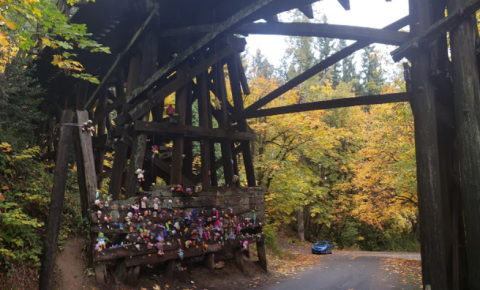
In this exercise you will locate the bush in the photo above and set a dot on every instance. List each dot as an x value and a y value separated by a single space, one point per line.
271 239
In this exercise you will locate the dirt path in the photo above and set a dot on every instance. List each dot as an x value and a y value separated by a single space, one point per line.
71 266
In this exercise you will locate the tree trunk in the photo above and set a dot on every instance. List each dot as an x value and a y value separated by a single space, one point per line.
301 231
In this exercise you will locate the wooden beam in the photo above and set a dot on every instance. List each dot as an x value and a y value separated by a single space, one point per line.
307 10
329 61
331 104
345 4
448 23
56 204
426 149
87 157
145 106
189 51
191 132
89 104
466 96
372 35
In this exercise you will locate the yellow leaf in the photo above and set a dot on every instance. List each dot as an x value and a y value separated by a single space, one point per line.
3 39
9 23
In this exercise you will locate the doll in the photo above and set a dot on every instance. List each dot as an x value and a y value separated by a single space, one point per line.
139 172
88 126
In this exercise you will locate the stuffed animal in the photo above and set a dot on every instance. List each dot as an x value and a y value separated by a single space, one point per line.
170 111
88 126
139 172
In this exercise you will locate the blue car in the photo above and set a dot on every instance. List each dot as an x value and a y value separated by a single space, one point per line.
322 247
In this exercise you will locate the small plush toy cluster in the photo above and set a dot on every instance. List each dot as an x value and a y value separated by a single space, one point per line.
152 223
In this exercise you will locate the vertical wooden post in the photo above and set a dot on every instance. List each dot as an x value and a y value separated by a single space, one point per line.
233 70
428 176
82 183
138 142
467 98
210 262
86 152
100 152
219 83
188 150
262 255
213 168
181 109
56 204
120 156
239 258
169 270
204 120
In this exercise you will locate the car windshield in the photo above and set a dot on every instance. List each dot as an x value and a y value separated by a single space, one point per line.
321 243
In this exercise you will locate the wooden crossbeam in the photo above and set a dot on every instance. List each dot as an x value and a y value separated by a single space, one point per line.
345 4
90 102
188 52
326 30
372 35
329 61
191 132
307 10
331 104
145 106
442 26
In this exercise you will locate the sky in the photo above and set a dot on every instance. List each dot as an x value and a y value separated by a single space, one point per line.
366 13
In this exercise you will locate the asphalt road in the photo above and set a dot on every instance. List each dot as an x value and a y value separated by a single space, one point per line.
347 271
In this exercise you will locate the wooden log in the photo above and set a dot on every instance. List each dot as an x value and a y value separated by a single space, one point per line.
373 35
262 255
87 156
189 51
81 178
238 108
466 98
345 4
170 269
181 79
204 122
329 61
139 139
119 58
457 16
191 132
101 132
307 10
119 162
56 204
330 104
213 168
210 262
428 175
239 259
100 272
242 75
133 274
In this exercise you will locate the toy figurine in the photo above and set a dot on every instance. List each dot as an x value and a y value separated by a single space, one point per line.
139 172
88 126
98 203
160 242
198 188
144 202
136 208
100 242
169 204
99 215
180 254
235 178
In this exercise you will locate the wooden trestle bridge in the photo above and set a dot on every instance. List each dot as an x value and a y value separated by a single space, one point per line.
160 47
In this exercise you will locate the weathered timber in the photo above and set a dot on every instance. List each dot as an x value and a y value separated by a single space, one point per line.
170 269
81 179
331 104
307 10
242 75
139 139
101 134
100 272
210 262
145 106
56 204
373 35
189 51
345 4
453 19
120 57
239 259
466 99
133 274
329 61
428 175
119 162
192 132
237 96
204 121
262 255
88 159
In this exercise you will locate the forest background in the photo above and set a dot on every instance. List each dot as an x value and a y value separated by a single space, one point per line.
347 175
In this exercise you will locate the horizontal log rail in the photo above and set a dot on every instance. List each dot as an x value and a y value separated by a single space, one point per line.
442 26
329 61
373 35
331 104
191 132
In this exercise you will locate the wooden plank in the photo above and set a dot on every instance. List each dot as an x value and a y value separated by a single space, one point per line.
204 121
345 4
453 19
192 132
101 132
426 149
87 156
189 51
242 75
239 259
329 61
119 58
56 204
119 162
180 81
307 10
372 35
262 255
466 98
331 104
